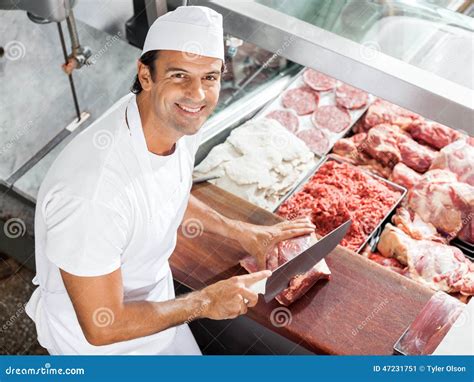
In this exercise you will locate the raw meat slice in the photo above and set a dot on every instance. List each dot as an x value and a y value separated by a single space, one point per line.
457 157
390 263
302 100
318 81
439 266
381 111
286 117
218 155
332 118
404 176
414 155
444 202
389 145
382 144
412 224
283 252
434 134
351 98
337 192
315 139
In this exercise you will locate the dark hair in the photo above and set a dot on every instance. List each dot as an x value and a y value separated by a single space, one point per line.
147 59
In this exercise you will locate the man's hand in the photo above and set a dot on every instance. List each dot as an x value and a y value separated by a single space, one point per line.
226 299
258 240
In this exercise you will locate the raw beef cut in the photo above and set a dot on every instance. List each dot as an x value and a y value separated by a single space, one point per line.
414 155
318 81
302 100
389 145
382 144
457 157
381 111
332 118
444 202
351 150
439 266
283 252
351 98
286 117
315 139
413 225
434 134
338 192
404 176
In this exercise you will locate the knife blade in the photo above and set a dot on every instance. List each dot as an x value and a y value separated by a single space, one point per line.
300 264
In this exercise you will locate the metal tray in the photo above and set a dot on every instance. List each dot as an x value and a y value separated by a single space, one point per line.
326 98
377 229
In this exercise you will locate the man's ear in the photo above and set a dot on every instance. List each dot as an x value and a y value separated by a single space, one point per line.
144 76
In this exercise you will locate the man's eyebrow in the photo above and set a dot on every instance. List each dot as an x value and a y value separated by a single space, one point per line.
172 69
176 69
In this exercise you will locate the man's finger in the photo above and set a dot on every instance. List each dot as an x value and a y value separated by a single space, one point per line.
290 233
298 225
251 297
252 278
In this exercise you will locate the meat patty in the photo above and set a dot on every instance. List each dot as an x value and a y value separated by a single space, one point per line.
332 118
302 100
315 139
286 117
351 98
318 81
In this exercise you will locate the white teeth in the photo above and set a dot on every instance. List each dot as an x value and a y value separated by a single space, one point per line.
189 109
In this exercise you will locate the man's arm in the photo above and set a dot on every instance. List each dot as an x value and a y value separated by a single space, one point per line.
254 239
105 318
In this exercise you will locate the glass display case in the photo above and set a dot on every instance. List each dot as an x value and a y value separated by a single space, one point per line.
418 55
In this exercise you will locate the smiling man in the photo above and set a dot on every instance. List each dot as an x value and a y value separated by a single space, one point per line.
110 206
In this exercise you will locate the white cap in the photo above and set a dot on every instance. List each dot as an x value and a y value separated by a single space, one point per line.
190 29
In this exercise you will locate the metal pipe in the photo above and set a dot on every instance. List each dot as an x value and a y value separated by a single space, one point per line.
71 81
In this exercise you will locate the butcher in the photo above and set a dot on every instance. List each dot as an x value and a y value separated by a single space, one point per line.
110 206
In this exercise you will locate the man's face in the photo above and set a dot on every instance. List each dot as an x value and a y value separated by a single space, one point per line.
185 89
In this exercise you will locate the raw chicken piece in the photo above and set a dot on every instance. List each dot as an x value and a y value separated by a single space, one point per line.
385 112
283 252
411 223
260 161
404 176
444 202
439 266
457 157
434 134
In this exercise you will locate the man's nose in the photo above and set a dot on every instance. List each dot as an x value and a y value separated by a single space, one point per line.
194 91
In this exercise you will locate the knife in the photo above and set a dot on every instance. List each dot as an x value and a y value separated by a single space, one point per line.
300 264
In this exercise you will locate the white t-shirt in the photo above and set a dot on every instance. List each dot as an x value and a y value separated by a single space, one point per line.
94 214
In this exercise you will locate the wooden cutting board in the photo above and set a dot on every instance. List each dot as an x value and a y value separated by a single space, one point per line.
363 309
